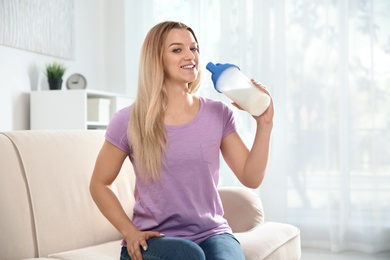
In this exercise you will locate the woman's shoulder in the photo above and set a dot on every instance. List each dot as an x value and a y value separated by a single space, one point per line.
123 112
213 104
116 132
120 120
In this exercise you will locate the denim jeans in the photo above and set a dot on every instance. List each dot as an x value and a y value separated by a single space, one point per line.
218 247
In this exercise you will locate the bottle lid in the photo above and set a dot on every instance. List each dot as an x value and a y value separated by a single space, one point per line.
216 70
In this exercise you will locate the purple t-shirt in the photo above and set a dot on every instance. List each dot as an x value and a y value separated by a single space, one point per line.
184 203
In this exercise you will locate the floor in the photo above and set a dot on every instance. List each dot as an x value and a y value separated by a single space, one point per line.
319 254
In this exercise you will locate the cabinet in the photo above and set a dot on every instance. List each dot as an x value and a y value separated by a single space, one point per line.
68 109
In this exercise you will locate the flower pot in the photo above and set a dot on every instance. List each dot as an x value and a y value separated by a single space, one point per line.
55 84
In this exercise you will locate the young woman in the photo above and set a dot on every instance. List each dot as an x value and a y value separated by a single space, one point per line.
173 138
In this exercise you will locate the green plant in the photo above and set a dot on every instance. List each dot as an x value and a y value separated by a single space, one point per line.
55 70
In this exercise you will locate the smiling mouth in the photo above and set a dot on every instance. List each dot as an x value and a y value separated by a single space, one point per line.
188 66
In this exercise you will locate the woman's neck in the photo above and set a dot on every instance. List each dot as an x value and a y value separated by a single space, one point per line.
182 107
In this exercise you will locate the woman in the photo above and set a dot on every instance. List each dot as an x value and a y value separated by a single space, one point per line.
173 139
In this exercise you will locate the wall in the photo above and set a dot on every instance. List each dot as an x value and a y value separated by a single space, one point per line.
99 49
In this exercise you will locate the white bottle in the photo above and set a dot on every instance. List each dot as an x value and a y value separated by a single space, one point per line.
229 80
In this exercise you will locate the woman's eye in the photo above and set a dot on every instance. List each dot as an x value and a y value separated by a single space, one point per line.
179 50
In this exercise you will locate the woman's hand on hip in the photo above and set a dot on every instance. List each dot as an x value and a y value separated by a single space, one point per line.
137 240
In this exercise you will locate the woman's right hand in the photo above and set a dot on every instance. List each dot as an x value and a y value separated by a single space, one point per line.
137 240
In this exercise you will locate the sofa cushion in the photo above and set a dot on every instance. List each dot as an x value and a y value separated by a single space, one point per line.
58 181
16 222
40 258
270 241
106 251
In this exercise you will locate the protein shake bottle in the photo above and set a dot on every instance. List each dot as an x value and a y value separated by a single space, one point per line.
229 80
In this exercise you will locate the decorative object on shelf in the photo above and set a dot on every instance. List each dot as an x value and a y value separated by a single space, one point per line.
54 73
76 81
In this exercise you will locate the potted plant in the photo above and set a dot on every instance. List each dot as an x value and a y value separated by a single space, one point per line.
54 73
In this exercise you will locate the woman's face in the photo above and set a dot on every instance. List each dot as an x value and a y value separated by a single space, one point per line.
180 57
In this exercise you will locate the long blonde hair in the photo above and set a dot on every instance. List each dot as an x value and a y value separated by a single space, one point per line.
146 131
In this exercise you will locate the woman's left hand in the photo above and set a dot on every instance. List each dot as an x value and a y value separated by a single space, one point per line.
267 117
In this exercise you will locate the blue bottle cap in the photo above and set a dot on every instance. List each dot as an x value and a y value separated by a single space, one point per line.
216 70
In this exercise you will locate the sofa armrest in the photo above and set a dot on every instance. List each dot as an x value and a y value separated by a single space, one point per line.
271 241
243 208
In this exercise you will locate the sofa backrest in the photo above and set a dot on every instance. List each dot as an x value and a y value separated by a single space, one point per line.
56 167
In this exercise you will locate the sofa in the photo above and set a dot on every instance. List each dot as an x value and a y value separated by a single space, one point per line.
48 213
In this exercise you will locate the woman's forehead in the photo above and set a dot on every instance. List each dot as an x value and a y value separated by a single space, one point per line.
179 36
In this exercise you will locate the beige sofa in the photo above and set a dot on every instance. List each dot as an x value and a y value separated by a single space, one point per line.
47 211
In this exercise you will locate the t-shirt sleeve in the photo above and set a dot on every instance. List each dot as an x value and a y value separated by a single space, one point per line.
116 132
229 121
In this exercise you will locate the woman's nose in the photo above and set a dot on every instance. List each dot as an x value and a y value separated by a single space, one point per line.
189 55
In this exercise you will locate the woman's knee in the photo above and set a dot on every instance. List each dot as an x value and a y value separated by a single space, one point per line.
173 248
224 246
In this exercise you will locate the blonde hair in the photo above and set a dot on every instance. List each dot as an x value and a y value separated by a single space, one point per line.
146 131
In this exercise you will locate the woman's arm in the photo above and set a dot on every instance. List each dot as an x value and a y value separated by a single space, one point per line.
107 167
250 165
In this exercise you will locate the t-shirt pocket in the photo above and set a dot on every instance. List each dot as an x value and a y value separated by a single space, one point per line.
210 151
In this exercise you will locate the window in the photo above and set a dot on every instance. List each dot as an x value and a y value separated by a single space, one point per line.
327 65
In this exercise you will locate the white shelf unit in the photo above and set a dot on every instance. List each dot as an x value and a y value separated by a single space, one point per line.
68 109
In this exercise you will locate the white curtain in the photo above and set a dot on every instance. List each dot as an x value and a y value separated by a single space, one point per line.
327 65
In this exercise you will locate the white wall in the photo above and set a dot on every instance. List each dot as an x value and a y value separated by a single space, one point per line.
99 56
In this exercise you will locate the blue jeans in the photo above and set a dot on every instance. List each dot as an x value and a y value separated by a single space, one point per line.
219 247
